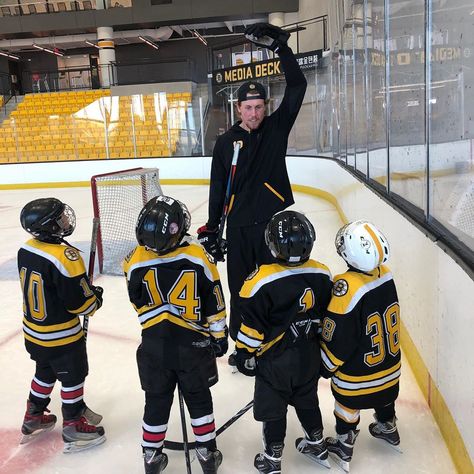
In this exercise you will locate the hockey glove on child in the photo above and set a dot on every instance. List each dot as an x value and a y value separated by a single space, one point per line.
209 239
266 35
99 294
220 346
245 363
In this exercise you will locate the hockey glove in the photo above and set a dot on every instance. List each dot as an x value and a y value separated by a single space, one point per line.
99 294
209 239
245 363
220 346
268 36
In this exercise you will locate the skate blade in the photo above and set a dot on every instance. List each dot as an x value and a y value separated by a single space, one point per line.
395 447
77 446
344 465
26 439
323 462
234 369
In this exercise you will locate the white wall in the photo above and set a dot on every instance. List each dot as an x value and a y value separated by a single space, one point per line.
436 295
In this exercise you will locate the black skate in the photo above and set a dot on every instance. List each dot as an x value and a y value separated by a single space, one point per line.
341 448
269 462
79 435
155 462
35 422
386 431
209 460
314 447
232 363
91 417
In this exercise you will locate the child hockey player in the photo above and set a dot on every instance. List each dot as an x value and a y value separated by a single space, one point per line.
282 304
361 334
177 294
56 291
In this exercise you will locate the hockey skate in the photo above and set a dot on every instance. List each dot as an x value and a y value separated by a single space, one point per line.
35 422
155 462
386 431
209 460
79 435
269 462
341 448
91 417
314 448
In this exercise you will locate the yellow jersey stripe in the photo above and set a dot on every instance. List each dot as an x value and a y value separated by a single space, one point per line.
55 343
172 319
275 192
270 344
330 355
253 333
53 327
85 306
366 378
363 391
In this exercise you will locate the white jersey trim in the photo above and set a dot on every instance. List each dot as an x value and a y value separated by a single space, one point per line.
285 273
164 259
370 384
62 269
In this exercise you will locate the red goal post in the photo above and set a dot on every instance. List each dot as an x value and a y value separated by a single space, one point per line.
117 199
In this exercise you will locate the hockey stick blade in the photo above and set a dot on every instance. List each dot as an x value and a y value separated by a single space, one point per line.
179 446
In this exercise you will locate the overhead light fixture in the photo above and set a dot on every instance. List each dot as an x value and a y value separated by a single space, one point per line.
90 43
55 51
199 37
8 55
148 42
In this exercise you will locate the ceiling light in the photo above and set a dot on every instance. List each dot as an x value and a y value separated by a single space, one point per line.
55 51
148 42
199 37
90 43
8 55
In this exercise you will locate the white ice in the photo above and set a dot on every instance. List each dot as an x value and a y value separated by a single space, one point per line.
113 388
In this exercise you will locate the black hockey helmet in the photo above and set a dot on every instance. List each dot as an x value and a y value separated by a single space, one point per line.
48 219
162 224
290 237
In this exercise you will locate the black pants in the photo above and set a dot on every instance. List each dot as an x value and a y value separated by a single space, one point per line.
246 249
70 369
159 383
289 378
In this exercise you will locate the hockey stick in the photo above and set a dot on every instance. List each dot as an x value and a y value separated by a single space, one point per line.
90 271
177 446
230 183
185 432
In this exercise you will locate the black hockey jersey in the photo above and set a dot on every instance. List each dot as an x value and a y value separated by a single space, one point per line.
361 334
279 304
56 291
178 296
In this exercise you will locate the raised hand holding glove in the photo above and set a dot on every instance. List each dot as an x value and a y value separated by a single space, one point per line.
209 239
245 363
99 294
220 346
266 35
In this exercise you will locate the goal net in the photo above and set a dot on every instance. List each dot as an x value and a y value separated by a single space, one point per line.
118 199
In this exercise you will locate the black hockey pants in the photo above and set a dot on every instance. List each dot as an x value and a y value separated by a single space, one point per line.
246 249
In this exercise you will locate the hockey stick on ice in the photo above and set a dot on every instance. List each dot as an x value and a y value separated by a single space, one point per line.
228 191
90 271
185 432
177 446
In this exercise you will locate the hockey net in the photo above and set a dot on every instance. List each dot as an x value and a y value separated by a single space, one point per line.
118 199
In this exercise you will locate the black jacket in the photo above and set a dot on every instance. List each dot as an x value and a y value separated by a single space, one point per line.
261 184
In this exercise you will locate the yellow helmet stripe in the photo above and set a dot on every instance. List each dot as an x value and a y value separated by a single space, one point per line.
376 240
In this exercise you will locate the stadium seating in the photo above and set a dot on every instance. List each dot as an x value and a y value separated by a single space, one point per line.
78 126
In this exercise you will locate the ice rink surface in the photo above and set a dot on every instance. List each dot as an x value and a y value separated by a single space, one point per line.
113 389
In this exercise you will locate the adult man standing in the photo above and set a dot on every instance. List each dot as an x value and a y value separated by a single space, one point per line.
260 185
